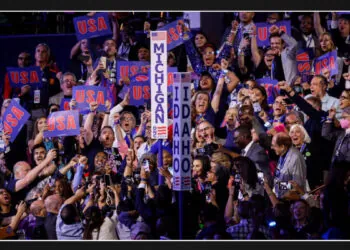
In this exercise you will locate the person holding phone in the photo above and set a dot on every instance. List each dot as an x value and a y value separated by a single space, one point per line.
291 164
249 182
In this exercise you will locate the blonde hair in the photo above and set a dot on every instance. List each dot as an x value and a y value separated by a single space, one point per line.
307 138
330 38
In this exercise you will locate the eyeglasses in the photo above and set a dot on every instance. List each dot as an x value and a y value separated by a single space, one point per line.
68 81
204 129
209 53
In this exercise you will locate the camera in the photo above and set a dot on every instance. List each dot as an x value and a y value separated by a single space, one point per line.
284 185
246 35
261 177
208 149
298 89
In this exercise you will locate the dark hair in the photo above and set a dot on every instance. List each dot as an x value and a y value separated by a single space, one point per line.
205 163
200 32
246 109
209 45
315 101
209 213
247 170
276 35
106 127
68 214
323 79
140 136
94 219
51 105
245 209
244 130
264 104
35 129
206 73
283 139
40 145
67 190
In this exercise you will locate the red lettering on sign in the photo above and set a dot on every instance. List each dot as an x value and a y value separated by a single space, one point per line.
80 96
304 67
262 33
303 57
71 122
17 112
170 79
174 35
144 69
34 78
318 68
23 77
82 28
90 96
146 92
124 71
92 26
137 92
10 119
101 24
324 63
283 28
14 77
168 38
51 124
100 98
134 69
331 63
7 128
60 123
66 106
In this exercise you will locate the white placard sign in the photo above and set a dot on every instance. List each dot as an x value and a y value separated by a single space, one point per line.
182 132
159 80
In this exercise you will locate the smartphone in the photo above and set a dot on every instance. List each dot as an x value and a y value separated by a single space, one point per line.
145 165
103 60
107 179
29 202
284 185
261 177
83 58
237 178
257 107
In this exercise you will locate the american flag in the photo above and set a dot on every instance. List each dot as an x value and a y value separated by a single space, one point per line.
158 35
182 182
161 130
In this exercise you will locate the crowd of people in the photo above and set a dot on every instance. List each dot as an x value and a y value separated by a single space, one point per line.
265 165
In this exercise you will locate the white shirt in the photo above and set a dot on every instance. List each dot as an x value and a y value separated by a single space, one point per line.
248 147
328 102
310 43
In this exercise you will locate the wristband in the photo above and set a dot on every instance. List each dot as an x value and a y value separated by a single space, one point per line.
107 113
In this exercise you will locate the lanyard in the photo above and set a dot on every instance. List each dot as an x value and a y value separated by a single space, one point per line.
302 148
280 164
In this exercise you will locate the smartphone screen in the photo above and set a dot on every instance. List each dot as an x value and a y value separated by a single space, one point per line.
145 165
261 177
257 107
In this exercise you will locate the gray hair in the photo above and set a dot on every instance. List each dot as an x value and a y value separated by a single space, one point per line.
68 74
307 138
46 47
298 115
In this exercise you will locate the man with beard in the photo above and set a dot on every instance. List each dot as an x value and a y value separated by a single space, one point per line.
39 154
103 143
67 81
